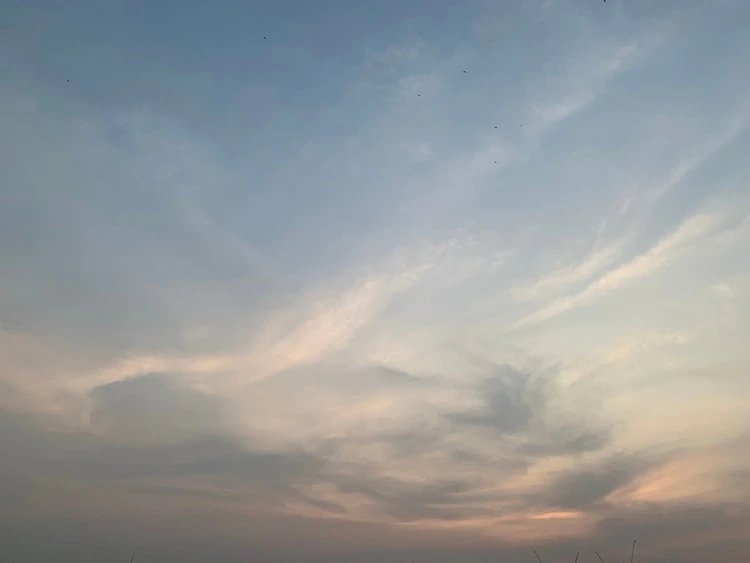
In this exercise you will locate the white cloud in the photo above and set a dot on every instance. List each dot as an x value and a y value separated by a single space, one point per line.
585 77
543 115
571 274
737 123
722 290
665 251
633 348
319 326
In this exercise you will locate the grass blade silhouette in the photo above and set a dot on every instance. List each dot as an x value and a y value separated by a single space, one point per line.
537 556
599 556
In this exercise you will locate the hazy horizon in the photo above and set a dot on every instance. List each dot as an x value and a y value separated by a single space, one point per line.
374 281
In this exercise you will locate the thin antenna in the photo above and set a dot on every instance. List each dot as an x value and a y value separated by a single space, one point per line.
599 556
537 556
577 554
632 552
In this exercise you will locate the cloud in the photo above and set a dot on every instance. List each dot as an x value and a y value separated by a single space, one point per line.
385 429
235 326
481 484
658 256
585 78
135 220
707 148
634 348
584 270
661 533
405 501
316 327
215 466
332 324
721 290
712 532
585 487
154 408
506 408
564 440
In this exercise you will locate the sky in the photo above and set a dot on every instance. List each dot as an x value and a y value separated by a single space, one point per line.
355 281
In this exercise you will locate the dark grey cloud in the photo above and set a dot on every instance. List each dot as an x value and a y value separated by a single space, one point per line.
38 451
154 407
418 438
514 428
565 440
688 534
514 406
584 487
219 457
327 506
682 532
150 432
241 476
15 488
409 501
506 405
